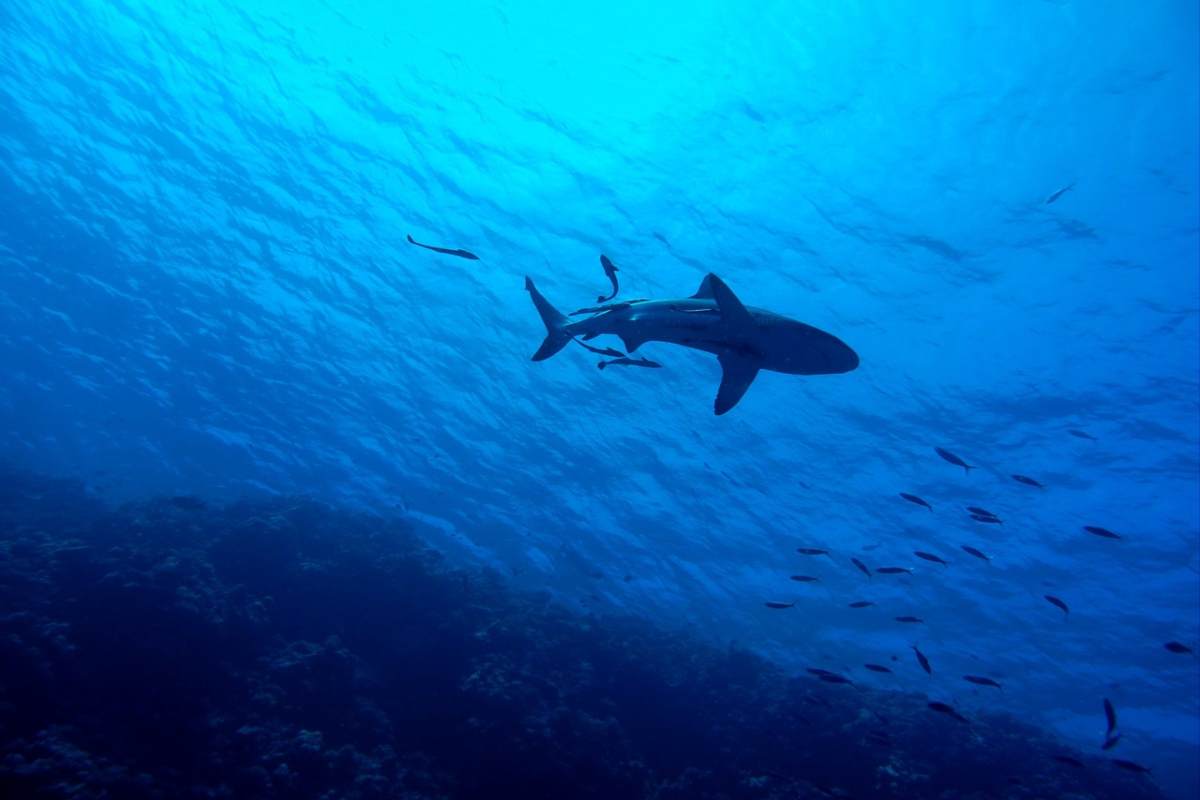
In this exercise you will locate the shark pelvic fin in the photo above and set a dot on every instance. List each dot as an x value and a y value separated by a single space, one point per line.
737 373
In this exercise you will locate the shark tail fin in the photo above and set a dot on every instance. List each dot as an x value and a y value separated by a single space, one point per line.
556 323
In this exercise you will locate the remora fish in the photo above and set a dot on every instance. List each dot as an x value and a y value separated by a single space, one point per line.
610 269
630 362
744 340
444 250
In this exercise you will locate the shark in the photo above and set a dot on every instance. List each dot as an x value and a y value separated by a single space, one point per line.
744 339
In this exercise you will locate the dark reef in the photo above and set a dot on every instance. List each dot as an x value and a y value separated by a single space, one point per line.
284 648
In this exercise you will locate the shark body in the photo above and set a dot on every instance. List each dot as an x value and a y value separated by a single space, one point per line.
744 339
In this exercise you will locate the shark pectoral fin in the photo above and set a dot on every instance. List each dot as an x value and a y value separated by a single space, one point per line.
732 311
737 373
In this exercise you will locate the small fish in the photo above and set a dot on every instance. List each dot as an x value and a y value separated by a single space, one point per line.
1028 481
1054 601
610 270
967 548
1110 716
805 578
942 708
1083 435
811 551
604 351
1110 742
912 498
605 309
1074 762
953 459
818 671
930 557
909 619
861 566
777 604
923 661
1178 647
1103 533
1059 193
988 520
447 251
835 678
877 668
893 570
982 681
1130 765
631 362
983 512
861 603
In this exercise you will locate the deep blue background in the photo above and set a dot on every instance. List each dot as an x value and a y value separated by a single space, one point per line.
204 286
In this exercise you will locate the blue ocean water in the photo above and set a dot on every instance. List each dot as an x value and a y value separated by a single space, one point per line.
207 289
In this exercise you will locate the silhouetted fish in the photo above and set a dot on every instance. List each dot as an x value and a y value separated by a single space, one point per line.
909 619
811 551
982 681
1110 742
983 512
631 362
1178 647
988 520
460 253
805 578
610 270
1054 601
912 498
1110 716
953 459
930 557
1059 193
861 566
922 660
974 552
942 708
604 351
876 668
1130 765
861 604
1028 481
818 671
1083 435
1074 762
834 678
1103 533
893 570
777 604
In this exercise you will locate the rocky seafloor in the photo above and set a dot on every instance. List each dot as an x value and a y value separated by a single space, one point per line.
285 648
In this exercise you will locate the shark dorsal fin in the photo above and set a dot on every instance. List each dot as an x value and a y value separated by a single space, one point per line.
732 310
737 373
705 292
